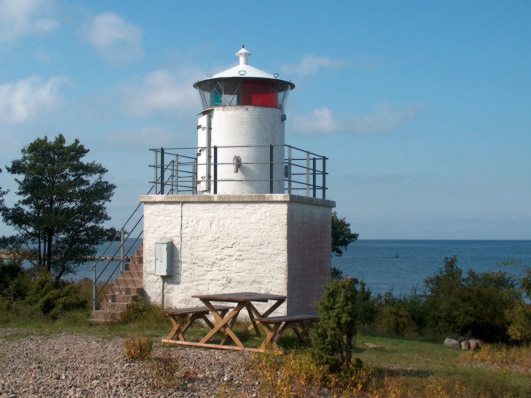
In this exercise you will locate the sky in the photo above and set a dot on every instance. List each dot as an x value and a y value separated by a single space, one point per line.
423 108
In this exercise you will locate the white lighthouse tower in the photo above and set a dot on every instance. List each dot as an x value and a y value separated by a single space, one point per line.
243 112
242 211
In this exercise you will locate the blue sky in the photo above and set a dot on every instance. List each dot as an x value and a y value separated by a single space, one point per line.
424 108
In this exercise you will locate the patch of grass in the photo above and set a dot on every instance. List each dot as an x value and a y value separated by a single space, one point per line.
401 368
501 357
163 372
138 348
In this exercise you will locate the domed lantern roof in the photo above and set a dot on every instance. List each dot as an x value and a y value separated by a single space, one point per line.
245 85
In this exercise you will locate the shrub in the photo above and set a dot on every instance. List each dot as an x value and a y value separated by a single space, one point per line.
296 374
520 323
163 372
139 310
334 334
475 305
57 302
138 348
396 320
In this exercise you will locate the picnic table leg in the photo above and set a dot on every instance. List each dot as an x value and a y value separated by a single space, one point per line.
232 323
253 311
207 321
175 329
271 337
221 322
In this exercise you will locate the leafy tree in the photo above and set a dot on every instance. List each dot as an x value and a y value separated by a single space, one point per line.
334 334
2 194
342 236
61 210
477 304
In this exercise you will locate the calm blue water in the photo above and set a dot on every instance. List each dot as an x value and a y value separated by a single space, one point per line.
403 265
398 265
104 266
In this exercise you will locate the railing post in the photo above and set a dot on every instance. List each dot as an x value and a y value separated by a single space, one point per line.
314 176
324 177
289 170
270 168
94 288
162 166
215 169
176 175
172 181
122 251
194 177
156 152
307 173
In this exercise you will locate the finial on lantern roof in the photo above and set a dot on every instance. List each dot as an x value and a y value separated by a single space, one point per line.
243 54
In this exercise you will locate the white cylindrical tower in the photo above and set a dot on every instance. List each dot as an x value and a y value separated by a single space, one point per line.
241 131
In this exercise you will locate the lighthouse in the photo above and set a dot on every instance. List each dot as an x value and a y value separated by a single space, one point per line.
243 210
243 112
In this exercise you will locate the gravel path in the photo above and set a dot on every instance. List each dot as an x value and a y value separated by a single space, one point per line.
70 365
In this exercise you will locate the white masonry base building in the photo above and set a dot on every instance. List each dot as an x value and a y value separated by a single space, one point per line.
269 243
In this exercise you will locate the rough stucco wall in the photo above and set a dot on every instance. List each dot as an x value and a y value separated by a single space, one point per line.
223 247
309 242
274 245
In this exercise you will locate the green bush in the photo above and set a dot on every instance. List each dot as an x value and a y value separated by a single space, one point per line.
139 310
475 305
334 334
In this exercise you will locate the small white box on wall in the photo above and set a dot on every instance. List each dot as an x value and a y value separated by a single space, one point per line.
163 257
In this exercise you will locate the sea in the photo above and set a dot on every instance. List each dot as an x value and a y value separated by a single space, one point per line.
402 266
399 266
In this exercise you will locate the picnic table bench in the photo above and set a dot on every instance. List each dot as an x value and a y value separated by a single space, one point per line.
299 323
182 318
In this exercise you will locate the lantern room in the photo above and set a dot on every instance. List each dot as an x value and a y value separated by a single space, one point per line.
244 85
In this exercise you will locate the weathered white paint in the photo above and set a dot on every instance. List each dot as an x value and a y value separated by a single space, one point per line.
247 132
222 243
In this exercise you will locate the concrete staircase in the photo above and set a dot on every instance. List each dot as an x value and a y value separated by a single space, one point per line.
120 293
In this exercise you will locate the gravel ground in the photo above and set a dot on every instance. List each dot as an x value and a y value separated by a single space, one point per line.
69 365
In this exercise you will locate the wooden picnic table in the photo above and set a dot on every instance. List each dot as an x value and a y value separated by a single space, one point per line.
224 321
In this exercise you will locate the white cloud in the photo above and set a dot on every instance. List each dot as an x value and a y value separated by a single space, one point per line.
24 17
383 119
24 99
114 38
320 120
162 91
311 64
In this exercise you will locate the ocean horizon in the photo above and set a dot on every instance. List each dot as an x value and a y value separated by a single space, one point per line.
399 265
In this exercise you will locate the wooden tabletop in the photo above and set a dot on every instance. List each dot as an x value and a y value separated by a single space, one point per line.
239 297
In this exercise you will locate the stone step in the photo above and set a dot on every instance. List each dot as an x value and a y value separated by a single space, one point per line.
135 266
128 282
120 293
132 275
120 298
126 290
104 316
114 306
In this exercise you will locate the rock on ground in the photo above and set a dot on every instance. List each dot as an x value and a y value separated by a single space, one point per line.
70 365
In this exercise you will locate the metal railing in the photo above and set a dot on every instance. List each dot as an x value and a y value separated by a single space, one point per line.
120 254
176 170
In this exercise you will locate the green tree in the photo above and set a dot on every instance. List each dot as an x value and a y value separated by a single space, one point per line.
342 236
2 194
334 334
59 216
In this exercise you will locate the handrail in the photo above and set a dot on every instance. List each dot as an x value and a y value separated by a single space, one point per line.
300 167
114 257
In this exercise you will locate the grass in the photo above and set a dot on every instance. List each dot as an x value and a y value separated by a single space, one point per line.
394 367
